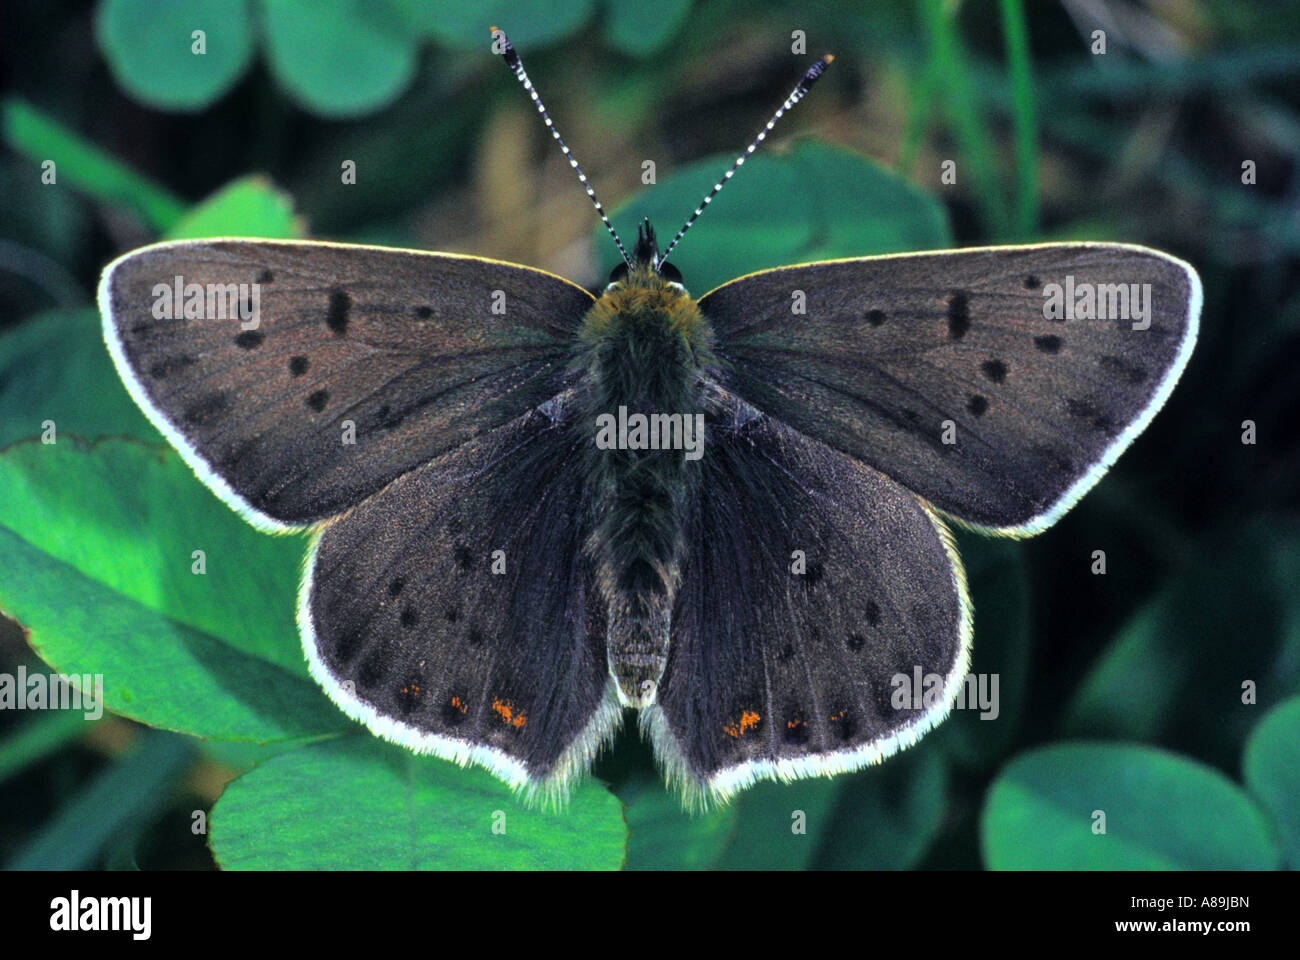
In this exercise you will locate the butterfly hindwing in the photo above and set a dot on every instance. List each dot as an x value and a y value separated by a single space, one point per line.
454 613
363 362
942 370
812 583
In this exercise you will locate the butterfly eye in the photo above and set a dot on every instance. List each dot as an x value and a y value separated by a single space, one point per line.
670 273
618 273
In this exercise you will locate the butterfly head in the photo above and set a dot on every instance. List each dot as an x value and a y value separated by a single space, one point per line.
647 294
647 268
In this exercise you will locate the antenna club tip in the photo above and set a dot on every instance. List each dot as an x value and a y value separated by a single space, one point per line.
494 29
828 59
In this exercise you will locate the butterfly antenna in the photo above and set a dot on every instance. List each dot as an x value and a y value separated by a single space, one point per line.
797 94
517 66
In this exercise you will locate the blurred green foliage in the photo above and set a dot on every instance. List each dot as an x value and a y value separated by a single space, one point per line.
1122 693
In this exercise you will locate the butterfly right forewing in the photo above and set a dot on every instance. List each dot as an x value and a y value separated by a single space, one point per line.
943 370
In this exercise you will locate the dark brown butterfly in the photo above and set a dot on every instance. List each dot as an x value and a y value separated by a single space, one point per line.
532 508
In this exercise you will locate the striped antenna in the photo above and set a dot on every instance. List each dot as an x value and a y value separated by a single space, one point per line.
517 66
797 94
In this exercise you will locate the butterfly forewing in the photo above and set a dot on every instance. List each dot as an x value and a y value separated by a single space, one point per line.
358 365
946 372
813 583
454 612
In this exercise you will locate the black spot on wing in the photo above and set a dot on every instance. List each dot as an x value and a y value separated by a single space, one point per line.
424 313
977 405
209 408
1032 282
455 710
337 317
875 317
348 645
795 728
372 671
165 368
1087 411
994 370
249 339
409 616
1120 367
318 400
387 418
298 366
843 723
266 276
408 693
873 613
958 315
1048 344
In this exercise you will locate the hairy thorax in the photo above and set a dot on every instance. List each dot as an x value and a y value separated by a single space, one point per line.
644 361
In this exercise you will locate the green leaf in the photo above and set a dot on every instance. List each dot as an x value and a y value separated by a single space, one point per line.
888 815
150 49
341 58
641 29
1271 768
999 589
781 826
666 837
529 26
248 207
1175 671
1162 812
811 202
53 367
30 132
357 803
128 795
97 547
45 733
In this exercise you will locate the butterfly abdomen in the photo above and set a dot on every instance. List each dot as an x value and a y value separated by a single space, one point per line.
644 350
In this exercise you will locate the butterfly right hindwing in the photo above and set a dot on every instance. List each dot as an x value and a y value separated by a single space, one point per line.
813 582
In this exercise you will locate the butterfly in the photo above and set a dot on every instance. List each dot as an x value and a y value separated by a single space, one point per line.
533 507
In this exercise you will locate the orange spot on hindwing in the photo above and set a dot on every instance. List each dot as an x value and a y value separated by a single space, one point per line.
749 719
508 714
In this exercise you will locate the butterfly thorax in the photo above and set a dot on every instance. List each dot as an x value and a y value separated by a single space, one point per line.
645 352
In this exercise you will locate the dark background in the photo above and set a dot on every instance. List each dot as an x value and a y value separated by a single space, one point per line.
1144 144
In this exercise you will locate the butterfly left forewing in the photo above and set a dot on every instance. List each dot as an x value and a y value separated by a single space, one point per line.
360 364
812 583
455 614
943 371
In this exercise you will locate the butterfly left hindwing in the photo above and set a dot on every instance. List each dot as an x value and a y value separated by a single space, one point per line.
454 612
